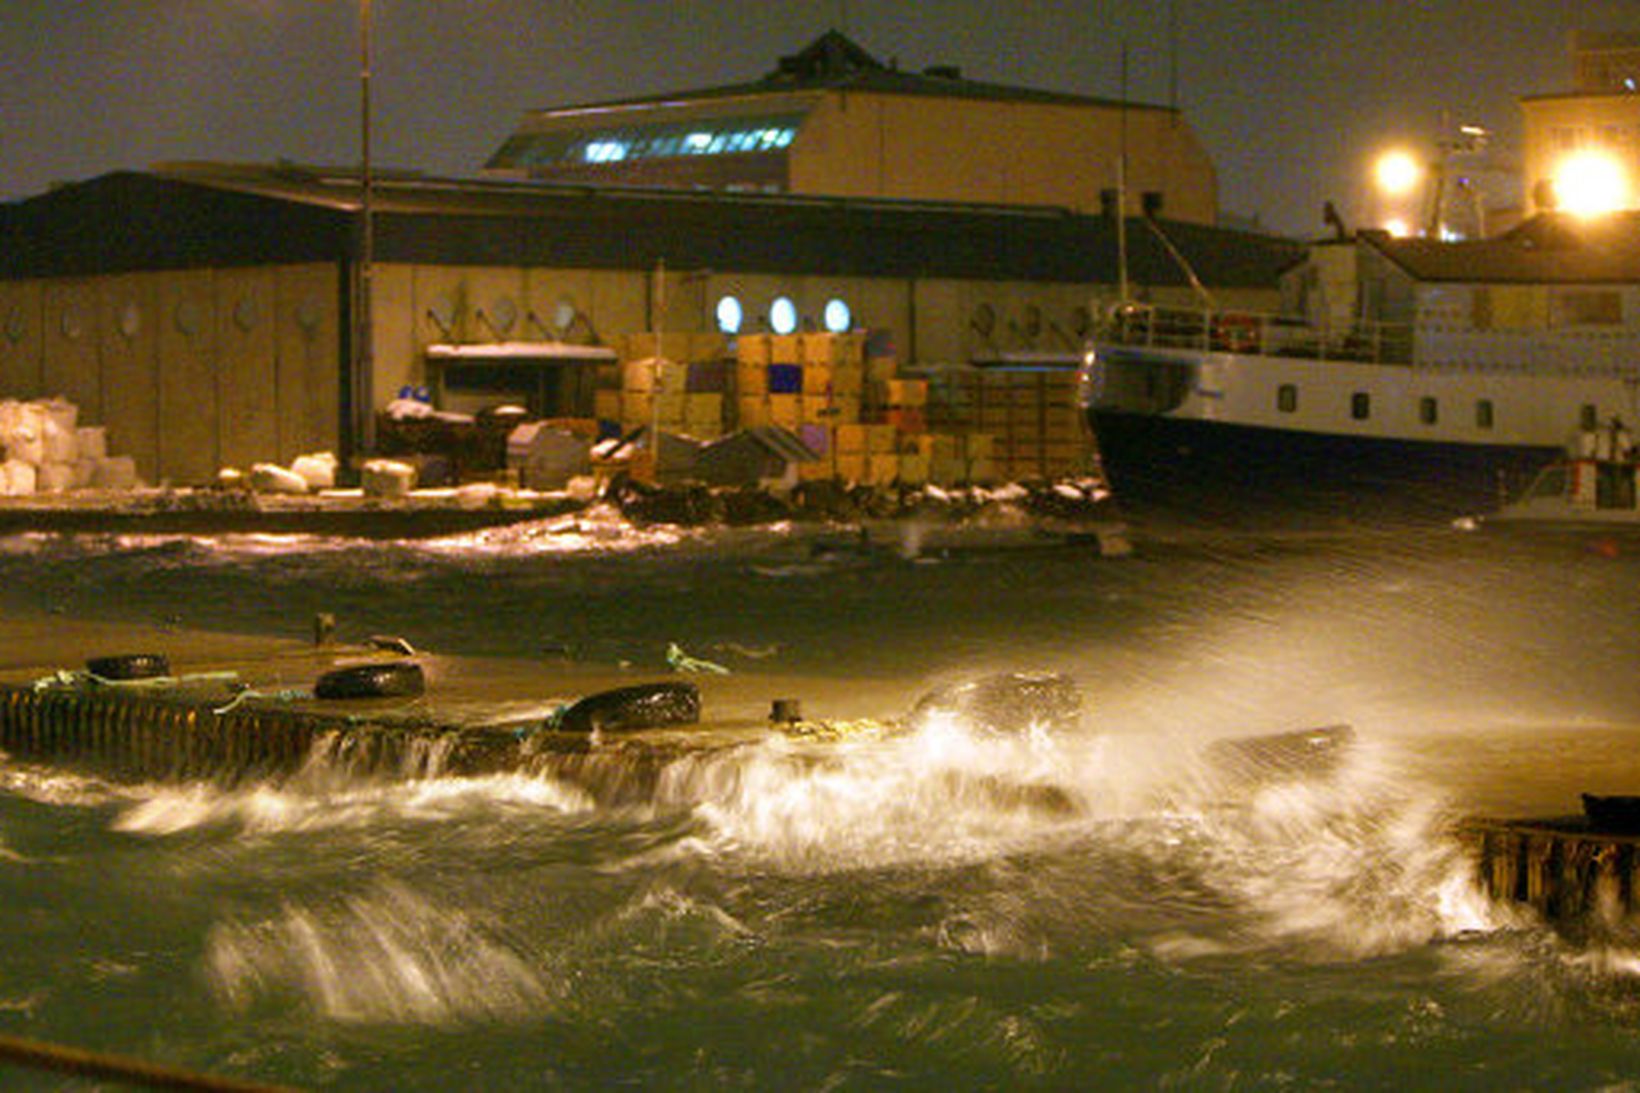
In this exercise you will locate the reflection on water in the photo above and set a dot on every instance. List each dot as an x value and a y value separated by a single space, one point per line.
1102 904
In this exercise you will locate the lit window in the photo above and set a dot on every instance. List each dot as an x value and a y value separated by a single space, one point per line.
784 137
783 316
837 317
729 315
696 143
605 151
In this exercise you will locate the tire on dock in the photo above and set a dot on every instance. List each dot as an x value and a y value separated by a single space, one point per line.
626 709
129 666
386 679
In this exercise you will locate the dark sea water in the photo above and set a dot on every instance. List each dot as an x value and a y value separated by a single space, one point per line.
893 915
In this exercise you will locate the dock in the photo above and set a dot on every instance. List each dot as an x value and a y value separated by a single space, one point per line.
1579 878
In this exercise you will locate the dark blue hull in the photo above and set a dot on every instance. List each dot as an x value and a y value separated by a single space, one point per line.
1214 469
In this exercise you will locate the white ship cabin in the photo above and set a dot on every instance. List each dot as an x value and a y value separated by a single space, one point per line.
1558 294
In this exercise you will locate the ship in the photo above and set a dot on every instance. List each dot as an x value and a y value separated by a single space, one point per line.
1448 370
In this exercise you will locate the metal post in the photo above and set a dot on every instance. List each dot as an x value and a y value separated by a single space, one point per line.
364 342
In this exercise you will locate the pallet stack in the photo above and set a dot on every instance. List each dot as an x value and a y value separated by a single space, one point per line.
1032 414
846 397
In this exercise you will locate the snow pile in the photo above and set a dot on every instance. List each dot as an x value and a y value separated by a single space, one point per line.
47 450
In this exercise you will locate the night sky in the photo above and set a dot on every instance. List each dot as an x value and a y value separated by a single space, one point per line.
1291 97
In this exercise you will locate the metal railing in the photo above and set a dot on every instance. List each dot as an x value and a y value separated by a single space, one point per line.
1231 331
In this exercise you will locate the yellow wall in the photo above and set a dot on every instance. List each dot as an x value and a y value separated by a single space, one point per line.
190 370
951 149
195 370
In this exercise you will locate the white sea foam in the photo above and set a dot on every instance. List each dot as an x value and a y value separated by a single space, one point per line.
388 955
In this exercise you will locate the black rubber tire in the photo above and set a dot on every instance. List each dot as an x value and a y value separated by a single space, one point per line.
387 679
625 709
129 666
1008 703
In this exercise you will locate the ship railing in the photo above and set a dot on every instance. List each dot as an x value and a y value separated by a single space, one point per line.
1255 333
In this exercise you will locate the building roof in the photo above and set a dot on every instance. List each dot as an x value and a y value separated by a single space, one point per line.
834 62
1550 248
188 216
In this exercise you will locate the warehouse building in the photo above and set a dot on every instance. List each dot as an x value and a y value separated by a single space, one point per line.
206 314
834 120
209 314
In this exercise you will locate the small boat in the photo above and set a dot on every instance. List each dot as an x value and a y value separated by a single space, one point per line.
1594 484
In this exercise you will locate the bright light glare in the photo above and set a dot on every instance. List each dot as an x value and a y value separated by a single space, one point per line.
1397 227
1397 172
1590 183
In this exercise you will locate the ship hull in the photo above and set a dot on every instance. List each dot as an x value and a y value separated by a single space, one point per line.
1172 461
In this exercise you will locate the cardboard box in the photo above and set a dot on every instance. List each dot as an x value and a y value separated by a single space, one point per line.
751 379
703 411
906 394
882 469
818 408
785 379
914 469
817 439
851 438
706 377
785 349
881 439
753 350
907 420
752 411
851 466
817 379
786 411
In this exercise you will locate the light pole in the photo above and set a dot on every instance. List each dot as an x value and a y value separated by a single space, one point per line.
364 348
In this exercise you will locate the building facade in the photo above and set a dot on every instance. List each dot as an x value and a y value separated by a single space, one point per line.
834 120
1595 126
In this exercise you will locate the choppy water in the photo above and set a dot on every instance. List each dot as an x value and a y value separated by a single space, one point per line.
1100 909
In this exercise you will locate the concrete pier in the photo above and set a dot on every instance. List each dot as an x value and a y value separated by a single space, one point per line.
1576 877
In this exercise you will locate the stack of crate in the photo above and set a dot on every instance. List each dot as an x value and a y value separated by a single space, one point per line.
679 381
1030 418
810 383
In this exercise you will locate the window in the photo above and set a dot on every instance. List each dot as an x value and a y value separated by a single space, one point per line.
1483 413
1360 406
1588 307
1287 398
1429 410
1588 418
836 316
783 316
729 315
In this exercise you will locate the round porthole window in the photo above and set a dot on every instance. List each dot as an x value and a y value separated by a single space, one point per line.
503 313
187 318
563 316
837 317
309 315
729 315
130 320
245 313
783 316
